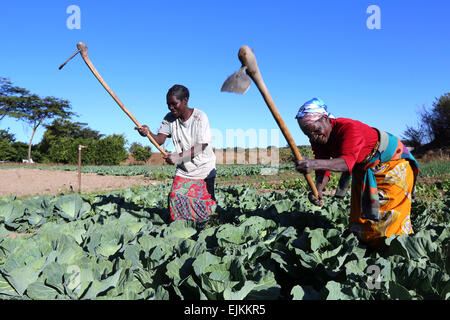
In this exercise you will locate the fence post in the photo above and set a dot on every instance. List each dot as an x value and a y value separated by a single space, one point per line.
79 166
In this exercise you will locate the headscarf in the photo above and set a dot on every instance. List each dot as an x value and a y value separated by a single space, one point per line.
313 110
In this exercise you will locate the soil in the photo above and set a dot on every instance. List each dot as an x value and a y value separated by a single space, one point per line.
31 182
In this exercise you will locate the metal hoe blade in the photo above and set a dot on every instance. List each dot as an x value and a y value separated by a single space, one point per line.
238 82
61 66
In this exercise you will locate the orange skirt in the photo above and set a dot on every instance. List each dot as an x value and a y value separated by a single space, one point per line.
395 181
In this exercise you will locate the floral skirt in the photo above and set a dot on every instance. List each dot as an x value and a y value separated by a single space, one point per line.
395 181
192 199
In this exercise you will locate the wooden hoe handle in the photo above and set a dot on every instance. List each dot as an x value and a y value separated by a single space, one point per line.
248 59
84 53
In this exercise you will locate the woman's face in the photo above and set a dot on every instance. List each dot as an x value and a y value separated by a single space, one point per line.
318 131
176 107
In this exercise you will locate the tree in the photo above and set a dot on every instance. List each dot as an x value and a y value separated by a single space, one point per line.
414 137
64 150
35 111
111 150
434 125
440 120
139 152
8 93
7 152
21 150
20 104
63 128
66 128
5 134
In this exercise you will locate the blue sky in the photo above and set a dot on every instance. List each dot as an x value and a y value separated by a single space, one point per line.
304 49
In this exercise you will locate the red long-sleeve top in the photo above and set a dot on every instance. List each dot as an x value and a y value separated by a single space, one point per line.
350 140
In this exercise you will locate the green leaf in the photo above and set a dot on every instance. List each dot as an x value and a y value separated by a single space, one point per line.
266 287
229 294
159 294
230 234
304 293
53 275
39 291
318 240
135 227
398 292
72 206
445 294
203 262
356 267
131 253
145 277
176 271
107 249
6 288
3 232
68 252
101 286
11 213
282 206
77 278
194 291
297 293
20 278
414 246
179 229
334 291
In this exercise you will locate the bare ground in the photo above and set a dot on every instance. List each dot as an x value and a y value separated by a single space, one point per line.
31 182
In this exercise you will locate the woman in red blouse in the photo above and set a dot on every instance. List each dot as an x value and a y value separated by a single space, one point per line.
382 169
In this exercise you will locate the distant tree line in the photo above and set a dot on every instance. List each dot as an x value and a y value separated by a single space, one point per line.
60 142
433 128
62 136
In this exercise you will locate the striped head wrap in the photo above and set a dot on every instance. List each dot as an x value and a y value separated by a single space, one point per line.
313 110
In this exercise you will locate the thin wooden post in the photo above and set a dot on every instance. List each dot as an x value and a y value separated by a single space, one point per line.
79 166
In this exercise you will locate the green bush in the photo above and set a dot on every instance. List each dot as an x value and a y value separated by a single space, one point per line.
111 150
107 151
7 152
139 152
60 150
5 134
17 151
286 155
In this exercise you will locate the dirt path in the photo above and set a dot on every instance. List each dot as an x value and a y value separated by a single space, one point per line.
24 182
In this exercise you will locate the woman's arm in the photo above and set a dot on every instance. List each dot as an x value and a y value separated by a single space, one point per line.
160 138
321 182
186 155
307 165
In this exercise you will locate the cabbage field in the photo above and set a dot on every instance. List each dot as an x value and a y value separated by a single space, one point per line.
161 171
274 245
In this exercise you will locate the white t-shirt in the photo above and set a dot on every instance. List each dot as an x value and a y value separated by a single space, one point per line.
185 135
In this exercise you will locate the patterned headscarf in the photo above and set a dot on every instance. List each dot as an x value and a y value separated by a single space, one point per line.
313 110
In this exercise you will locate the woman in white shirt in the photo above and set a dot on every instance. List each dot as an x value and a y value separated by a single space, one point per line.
192 193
